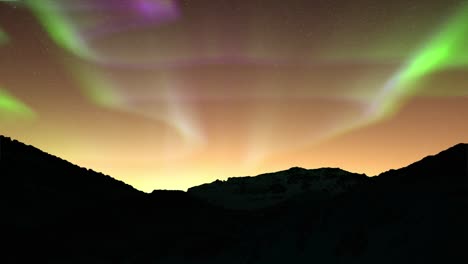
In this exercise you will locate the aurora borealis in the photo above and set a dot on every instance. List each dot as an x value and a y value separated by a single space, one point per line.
11 107
445 49
167 94
3 37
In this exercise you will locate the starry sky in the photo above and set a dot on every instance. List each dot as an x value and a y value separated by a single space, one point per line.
168 94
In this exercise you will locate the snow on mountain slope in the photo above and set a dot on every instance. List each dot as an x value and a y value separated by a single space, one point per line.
273 188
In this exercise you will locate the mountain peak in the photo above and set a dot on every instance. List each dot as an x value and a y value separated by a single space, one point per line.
269 189
447 169
459 149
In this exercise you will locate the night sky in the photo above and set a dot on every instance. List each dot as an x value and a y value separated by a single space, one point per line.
167 94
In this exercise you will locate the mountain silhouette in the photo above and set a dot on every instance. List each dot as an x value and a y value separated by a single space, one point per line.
274 188
56 212
447 170
30 171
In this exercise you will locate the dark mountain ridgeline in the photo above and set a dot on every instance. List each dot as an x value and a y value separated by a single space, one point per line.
446 171
28 170
56 212
271 189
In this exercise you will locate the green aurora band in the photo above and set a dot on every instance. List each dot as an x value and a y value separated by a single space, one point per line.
62 31
95 86
59 27
10 107
443 51
3 37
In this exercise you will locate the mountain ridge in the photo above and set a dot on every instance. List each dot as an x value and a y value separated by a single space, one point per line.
60 213
265 190
20 158
460 150
447 169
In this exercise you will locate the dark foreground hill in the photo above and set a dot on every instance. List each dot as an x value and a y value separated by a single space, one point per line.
55 212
